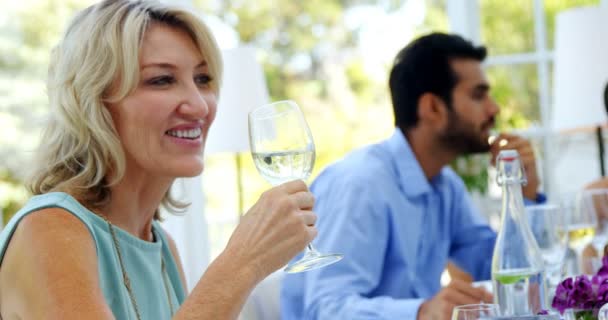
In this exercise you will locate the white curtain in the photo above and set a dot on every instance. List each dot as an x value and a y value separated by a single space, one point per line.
190 231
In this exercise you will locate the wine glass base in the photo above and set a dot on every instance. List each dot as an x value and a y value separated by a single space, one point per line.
313 262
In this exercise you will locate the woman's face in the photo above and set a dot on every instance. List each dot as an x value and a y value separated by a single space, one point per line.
164 123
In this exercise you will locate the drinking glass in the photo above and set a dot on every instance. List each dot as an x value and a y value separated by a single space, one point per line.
475 311
582 223
603 313
596 201
283 150
580 314
549 227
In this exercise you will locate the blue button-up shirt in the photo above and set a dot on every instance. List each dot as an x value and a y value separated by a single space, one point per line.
396 229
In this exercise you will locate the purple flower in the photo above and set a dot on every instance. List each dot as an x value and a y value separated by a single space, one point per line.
602 291
603 271
563 296
583 292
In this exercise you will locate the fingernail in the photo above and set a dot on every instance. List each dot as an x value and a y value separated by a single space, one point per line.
491 139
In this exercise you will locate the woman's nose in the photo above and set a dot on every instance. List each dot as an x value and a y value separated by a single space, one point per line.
196 103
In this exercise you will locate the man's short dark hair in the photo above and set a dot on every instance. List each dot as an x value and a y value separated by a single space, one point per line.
423 66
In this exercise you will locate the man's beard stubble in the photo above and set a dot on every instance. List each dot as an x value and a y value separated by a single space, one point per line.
462 137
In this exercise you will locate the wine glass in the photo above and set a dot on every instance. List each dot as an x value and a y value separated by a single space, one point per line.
582 223
475 311
548 224
596 201
603 313
283 150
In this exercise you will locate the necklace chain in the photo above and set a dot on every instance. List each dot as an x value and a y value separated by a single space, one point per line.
125 276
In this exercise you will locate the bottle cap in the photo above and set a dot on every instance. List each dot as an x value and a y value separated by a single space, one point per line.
510 169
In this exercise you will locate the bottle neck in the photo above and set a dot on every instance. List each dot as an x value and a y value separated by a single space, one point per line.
515 237
512 201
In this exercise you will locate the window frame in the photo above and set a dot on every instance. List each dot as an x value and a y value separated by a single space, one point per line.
464 19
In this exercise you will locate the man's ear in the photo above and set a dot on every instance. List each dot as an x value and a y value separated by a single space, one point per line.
432 110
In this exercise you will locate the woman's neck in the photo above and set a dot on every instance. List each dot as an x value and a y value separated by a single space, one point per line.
134 202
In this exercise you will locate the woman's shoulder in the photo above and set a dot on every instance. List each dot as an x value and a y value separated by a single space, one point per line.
47 212
51 219
50 229
51 253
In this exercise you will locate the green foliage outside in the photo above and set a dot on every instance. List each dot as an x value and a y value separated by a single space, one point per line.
27 35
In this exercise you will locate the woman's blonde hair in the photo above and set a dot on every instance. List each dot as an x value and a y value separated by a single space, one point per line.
97 62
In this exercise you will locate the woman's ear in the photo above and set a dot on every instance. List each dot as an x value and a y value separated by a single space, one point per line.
432 110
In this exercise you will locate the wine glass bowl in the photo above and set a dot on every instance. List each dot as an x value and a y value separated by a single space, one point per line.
596 202
582 224
549 227
281 142
475 311
283 150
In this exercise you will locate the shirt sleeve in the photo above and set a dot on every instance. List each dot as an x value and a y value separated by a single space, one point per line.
541 198
353 222
472 238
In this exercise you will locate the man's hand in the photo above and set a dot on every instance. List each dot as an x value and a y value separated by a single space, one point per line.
526 153
455 294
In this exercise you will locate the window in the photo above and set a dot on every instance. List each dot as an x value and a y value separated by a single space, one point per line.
519 35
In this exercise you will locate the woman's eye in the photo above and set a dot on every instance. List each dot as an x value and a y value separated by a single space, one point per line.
203 79
161 81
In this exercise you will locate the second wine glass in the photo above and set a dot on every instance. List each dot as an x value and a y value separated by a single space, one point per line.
283 150
475 311
549 227
582 224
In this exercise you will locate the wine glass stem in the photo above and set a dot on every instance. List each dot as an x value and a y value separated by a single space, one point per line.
580 263
311 251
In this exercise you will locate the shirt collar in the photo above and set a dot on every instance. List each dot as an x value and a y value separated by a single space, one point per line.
411 177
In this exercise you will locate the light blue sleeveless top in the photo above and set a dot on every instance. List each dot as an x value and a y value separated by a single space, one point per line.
142 261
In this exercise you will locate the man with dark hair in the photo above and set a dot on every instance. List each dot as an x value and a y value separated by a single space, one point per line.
396 211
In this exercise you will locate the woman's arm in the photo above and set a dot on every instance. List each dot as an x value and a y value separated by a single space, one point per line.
276 228
50 270
598 184
50 267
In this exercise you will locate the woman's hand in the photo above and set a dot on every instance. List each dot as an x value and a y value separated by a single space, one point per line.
275 229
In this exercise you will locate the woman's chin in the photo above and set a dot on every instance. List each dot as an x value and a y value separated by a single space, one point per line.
189 170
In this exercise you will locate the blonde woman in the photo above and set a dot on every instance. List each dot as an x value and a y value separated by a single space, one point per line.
133 90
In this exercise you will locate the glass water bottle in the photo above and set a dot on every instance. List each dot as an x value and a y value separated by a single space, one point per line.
517 265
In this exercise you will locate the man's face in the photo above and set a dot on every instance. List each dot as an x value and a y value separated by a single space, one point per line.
473 111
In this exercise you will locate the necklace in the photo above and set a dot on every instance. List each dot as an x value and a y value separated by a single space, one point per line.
125 276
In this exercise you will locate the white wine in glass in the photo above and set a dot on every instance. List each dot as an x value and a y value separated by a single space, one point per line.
275 166
582 224
283 150
580 235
